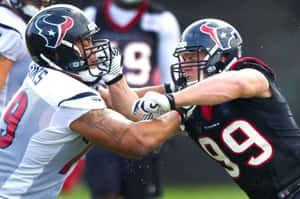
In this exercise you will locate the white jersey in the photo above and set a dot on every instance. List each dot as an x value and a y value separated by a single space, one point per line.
37 147
12 46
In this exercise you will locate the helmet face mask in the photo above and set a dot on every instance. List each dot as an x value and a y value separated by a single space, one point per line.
62 37
191 66
89 69
219 40
30 7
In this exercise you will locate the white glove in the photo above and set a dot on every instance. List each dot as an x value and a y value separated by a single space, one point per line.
152 104
116 70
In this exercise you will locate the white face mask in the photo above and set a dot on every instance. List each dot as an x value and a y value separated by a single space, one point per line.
86 76
92 74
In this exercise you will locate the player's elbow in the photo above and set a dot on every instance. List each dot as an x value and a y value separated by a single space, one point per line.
136 151
140 143
251 83
145 146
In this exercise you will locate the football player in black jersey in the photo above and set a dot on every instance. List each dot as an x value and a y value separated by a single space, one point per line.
146 34
233 109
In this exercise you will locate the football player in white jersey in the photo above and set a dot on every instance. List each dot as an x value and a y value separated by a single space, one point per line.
146 33
14 58
55 118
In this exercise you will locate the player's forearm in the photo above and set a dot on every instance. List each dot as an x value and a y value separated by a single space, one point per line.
122 98
154 132
139 91
5 65
225 87
144 136
211 91
142 91
111 130
2 82
105 95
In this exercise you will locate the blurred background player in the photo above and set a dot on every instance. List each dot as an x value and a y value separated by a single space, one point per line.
14 58
146 34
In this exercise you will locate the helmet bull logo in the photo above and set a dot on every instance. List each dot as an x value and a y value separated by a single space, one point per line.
220 35
53 29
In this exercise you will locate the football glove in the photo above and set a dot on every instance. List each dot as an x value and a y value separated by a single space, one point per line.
116 69
154 103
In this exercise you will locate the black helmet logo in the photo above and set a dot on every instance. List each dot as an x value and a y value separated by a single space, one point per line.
53 28
220 35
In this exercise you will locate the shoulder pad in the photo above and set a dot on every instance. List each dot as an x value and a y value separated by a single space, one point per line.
12 45
250 62
61 90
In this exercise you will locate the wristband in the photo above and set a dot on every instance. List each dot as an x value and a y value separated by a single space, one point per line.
118 78
170 97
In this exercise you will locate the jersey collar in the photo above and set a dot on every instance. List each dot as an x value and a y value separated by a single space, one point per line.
135 19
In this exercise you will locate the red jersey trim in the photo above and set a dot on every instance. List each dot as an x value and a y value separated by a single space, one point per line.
250 58
207 112
125 28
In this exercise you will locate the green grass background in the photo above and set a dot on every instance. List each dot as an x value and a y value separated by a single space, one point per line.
178 192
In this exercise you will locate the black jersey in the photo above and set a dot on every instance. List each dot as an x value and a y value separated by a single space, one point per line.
138 41
256 140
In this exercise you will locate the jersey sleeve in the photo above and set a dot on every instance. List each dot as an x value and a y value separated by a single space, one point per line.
79 100
71 109
12 46
249 62
69 97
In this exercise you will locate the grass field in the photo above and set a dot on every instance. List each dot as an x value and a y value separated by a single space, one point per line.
178 192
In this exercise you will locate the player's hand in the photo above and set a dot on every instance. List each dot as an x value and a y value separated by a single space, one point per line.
152 103
116 69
